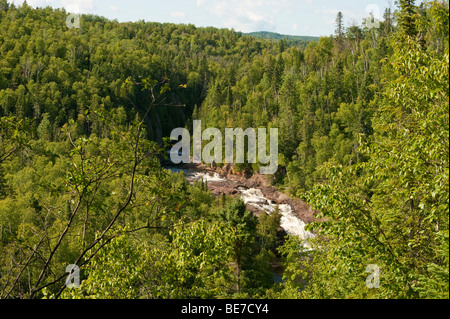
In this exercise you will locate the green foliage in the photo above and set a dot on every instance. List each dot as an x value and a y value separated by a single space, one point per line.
407 17
291 39
434 284
268 228
364 136
391 211
196 265
192 265
14 135
114 274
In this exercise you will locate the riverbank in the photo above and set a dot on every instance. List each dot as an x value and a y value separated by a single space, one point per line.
257 194
224 180
260 198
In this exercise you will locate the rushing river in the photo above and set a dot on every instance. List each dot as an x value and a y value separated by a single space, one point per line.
293 225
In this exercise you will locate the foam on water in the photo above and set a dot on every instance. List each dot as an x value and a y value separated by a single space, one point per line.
293 225
198 176
208 178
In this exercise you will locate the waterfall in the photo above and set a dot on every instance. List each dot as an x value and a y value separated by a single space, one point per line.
290 223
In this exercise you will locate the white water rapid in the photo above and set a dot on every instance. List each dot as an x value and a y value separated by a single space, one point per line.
293 225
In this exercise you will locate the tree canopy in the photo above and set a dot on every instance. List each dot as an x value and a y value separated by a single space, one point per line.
363 118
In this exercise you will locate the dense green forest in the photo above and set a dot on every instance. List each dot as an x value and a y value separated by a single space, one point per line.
363 117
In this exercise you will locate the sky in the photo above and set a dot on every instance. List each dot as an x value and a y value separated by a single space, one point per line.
293 17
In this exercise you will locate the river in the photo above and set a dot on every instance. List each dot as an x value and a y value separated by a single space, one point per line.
290 223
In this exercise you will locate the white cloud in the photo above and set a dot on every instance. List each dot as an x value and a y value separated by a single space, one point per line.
247 15
178 14
114 8
351 17
78 6
201 2
33 3
73 6
329 15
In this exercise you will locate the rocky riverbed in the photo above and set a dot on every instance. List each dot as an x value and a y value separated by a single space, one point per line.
256 192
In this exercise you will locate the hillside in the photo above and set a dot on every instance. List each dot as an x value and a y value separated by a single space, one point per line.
277 36
360 124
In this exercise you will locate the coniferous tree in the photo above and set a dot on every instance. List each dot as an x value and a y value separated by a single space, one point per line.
339 31
407 17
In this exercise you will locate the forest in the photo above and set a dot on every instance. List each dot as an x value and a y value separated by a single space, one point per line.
85 116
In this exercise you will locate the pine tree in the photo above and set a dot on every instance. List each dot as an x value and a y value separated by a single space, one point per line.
4 5
339 26
388 25
407 17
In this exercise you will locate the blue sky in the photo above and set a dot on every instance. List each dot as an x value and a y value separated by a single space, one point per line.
296 17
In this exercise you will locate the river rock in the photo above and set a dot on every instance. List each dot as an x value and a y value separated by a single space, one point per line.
234 183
